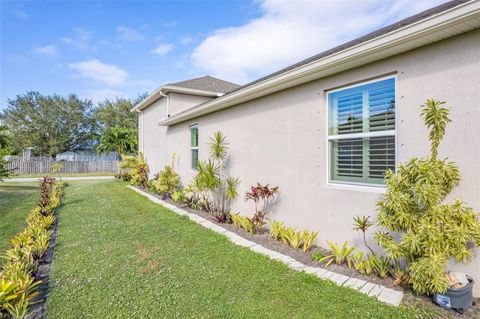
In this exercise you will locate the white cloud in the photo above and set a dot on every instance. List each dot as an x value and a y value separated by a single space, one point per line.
163 49
129 34
109 74
50 50
186 40
80 39
289 31
102 95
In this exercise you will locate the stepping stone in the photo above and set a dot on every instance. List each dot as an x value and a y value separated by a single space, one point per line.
391 297
366 289
376 290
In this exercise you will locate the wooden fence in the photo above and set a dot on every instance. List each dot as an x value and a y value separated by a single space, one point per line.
26 167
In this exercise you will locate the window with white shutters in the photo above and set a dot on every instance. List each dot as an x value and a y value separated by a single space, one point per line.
361 132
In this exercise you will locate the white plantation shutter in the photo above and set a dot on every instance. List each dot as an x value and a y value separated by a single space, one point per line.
362 132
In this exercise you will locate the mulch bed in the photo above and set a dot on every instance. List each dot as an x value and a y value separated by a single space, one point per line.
409 298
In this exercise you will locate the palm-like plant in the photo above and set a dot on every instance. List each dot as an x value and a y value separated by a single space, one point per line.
363 223
122 140
217 189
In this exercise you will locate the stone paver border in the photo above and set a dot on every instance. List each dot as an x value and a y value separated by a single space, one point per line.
382 293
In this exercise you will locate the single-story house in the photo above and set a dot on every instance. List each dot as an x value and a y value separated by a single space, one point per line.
326 128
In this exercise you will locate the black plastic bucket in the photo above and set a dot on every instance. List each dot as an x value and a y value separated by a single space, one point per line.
458 299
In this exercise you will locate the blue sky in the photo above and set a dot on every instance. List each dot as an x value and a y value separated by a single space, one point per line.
105 49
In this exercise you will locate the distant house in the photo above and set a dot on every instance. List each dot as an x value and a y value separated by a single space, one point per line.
326 128
86 155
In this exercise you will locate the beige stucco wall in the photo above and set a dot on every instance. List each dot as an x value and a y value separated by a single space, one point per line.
281 139
180 102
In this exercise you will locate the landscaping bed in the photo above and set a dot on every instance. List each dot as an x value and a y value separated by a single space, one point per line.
265 240
121 256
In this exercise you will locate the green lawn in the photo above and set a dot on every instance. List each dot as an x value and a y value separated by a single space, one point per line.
16 201
121 256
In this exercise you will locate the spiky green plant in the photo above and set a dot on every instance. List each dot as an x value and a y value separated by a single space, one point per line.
431 230
214 186
338 255
276 229
308 239
293 237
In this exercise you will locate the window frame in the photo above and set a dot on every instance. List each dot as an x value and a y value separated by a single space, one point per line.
192 148
354 185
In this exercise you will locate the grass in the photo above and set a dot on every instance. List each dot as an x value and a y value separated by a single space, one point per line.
65 175
16 201
121 256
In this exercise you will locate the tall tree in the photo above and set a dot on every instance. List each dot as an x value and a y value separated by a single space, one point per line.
117 113
49 124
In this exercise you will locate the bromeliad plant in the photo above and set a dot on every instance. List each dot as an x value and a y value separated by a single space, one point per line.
18 284
260 195
431 230
338 255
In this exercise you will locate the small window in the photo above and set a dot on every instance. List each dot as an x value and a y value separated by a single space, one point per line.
361 132
194 146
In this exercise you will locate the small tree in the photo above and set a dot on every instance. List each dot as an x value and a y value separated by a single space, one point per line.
217 188
430 231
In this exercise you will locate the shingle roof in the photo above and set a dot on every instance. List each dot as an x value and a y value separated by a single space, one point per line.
207 83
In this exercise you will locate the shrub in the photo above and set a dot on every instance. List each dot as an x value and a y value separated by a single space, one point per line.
431 231
137 169
168 180
260 195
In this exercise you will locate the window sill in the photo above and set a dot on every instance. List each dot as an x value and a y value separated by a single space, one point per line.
356 187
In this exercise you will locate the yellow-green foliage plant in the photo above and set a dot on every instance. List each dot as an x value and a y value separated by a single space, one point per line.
338 255
236 219
247 224
168 180
276 229
17 273
308 239
414 205
137 168
294 238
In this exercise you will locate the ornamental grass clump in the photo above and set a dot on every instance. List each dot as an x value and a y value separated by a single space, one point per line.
431 231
